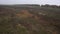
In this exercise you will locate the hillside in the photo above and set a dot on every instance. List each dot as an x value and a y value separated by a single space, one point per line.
29 19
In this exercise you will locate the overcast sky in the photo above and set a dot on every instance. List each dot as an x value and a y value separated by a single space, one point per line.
55 2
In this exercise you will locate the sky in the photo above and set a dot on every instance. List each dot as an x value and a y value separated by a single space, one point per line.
51 2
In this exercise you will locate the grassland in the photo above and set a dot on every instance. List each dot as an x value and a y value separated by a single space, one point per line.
29 19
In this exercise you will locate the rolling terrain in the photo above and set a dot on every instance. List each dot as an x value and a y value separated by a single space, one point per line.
29 19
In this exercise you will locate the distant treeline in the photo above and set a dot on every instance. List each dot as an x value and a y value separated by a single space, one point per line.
31 5
53 6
